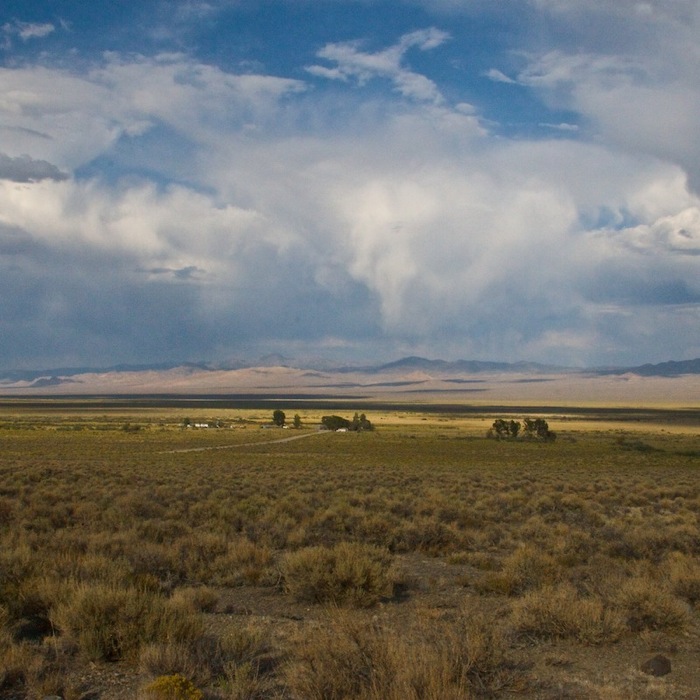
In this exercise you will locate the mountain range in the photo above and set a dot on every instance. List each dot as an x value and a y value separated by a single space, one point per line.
63 375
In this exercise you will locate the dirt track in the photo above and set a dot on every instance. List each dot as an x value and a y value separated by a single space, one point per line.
248 444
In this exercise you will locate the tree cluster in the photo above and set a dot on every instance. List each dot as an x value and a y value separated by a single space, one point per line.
279 418
530 429
358 423
505 429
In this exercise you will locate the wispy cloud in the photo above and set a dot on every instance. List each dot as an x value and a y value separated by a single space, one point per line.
498 77
28 30
25 31
561 126
352 63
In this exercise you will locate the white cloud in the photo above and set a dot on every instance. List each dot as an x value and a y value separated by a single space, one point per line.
34 31
404 222
562 126
69 119
635 77
178 228
27 30
627 103
364 66
499 77
676 234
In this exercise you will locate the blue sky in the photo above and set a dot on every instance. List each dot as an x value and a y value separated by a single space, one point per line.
354 180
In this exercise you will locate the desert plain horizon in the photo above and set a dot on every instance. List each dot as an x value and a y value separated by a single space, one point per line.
409 385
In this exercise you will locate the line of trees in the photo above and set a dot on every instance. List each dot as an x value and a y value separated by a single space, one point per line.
359 421
530 429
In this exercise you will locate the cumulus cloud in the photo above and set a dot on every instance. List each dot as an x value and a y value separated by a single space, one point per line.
675 234
69 119
204 213
351 62
635 77
416 226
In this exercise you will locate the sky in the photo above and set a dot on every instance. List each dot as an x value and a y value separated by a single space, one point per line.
351 180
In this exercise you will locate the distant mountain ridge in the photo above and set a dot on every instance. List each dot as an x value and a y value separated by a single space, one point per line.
672 368
48 377
29 375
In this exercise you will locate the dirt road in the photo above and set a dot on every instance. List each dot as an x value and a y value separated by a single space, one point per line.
249 444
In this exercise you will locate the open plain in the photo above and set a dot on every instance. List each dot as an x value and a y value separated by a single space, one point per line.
141 557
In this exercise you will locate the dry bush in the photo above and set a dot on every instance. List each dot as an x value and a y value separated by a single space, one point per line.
683 573
111 623
244 562
36 670
201 598
525 569
31 605
347 574
235 659
197 554
245 644
16 664
478 648
17 566
646 605
346 658
560 612
424 534
91 567
149 562
165 659
244 682
655 537
5 631
350 658
478 560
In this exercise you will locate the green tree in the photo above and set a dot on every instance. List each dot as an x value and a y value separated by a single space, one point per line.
297 420
278 417
365 423
335 422
538 428
503 429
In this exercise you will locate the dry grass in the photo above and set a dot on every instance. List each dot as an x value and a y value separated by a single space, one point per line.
348 573
560 612
347 658
117 551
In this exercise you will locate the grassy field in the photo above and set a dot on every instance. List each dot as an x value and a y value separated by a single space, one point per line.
143 559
